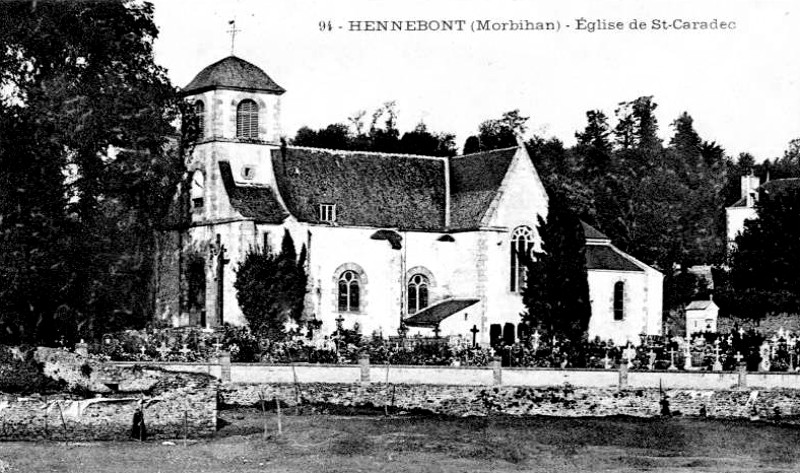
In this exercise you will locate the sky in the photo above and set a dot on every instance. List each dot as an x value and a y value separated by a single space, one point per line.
741 85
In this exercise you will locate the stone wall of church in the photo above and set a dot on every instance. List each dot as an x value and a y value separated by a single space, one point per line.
635 309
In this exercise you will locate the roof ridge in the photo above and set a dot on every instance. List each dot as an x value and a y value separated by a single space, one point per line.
485 152
375 153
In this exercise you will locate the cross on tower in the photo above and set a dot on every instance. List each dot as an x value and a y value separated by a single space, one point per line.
233 32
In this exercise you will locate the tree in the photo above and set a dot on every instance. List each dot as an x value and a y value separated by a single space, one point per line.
271 288
763 277
501 133
556 296
82 98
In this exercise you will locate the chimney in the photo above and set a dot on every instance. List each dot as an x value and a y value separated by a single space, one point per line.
749 184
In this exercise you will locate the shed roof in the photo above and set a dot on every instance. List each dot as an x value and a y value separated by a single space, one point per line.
253 201
432 315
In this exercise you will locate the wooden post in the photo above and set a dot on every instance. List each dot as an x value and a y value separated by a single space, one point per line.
278 408
623 373
363 362
497 370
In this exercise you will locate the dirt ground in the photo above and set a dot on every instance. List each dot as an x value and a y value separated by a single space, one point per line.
353 443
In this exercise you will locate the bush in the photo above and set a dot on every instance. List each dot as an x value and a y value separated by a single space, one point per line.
20 373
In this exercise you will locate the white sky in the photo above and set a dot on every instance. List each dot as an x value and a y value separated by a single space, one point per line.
742 87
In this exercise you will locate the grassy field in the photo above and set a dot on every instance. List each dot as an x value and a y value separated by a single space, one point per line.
337 443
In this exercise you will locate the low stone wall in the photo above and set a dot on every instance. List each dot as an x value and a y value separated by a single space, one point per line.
565 401
191 408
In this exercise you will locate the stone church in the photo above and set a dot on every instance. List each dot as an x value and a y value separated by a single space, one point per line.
432 242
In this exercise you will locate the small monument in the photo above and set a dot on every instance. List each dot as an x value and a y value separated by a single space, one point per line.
672 366
687 357
717 363
651 360
766 352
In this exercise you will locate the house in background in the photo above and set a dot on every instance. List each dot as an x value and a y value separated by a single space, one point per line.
431 244
745 208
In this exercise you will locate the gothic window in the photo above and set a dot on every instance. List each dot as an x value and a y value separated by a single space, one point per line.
619 300
200 111
247 119
198 190
521 244
349 291
417 293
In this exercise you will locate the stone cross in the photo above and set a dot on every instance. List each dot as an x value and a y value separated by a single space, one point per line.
629 353
717 364
474 331
142 349
672 366
184 350
651 357
607 361
163 350
738 357
555 340
741 332
217 345
218 250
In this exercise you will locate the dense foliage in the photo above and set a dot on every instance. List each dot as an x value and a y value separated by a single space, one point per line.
271 288
88 167
764 277
382 137
556 295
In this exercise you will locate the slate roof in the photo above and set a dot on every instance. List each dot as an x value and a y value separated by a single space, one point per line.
369 189
256 202
233 73
774 186
434 314
607 258
699 305
592 233
474 182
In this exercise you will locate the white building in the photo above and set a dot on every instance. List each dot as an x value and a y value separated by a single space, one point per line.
745 208
429 240
701 316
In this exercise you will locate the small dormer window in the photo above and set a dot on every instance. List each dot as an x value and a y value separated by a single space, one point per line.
327 213
248 172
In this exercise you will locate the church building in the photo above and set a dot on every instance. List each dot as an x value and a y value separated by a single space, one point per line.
427 243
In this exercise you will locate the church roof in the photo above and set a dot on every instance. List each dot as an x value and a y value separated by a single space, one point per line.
606 257
474 182
432 315
368 189
774 186
257 202
233 73
592 233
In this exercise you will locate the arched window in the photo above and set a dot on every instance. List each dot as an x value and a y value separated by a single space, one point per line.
619 300
198 190
349 291
417 293
200 111
247 119
521 244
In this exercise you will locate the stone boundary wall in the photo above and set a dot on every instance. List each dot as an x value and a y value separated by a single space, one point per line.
562 401
191 409
493 375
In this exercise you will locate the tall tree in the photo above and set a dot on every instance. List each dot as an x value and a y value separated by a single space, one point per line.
763 276
80 78
556 295
502 132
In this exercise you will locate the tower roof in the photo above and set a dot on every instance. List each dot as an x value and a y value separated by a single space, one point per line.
233 73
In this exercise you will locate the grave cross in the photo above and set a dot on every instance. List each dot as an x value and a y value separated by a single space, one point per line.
184 350
218 250
738 357
163 350
233 32
717 364
474 331
672 360
217 346
536 338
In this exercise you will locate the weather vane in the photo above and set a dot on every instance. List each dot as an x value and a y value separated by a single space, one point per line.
233 32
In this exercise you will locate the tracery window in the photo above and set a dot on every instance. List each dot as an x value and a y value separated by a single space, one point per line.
349 291
417 293
521 245
247 119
